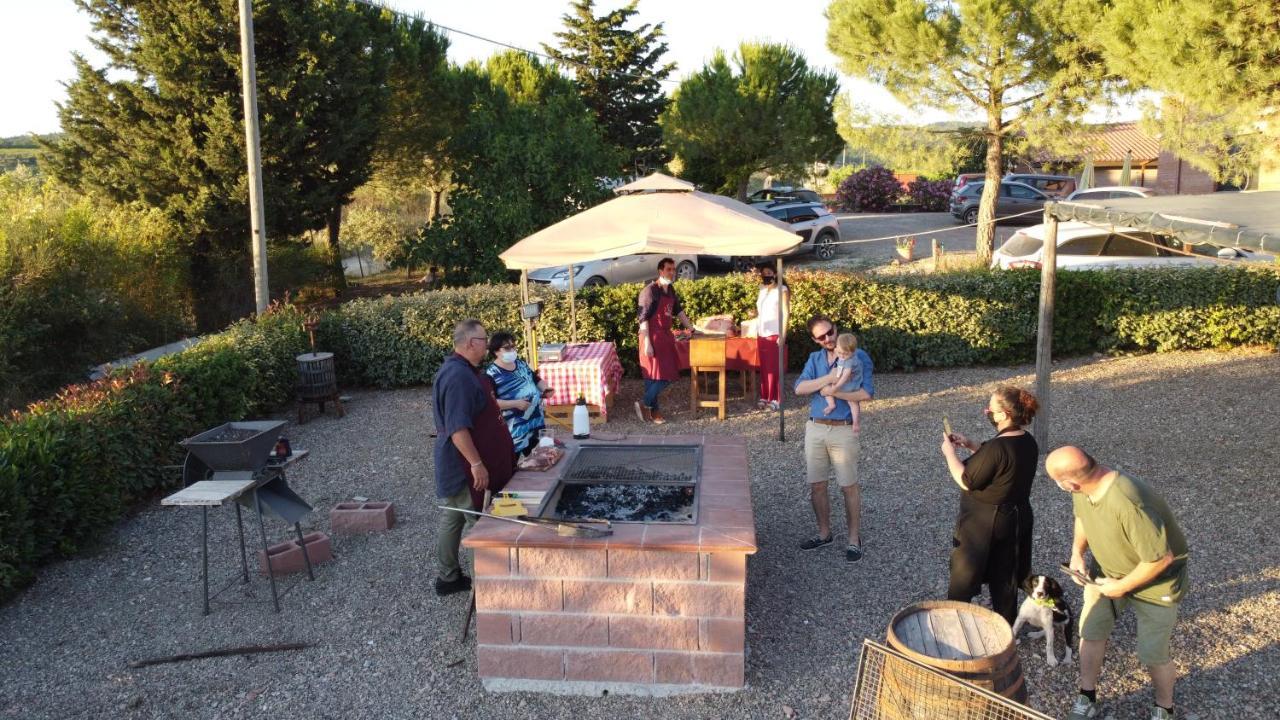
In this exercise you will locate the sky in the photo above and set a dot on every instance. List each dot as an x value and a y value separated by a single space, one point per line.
37 61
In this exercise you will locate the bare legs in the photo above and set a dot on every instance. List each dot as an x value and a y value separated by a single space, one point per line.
822 510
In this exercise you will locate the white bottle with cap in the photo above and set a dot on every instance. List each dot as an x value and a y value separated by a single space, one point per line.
581 420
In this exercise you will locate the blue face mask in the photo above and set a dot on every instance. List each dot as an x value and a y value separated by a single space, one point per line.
508 356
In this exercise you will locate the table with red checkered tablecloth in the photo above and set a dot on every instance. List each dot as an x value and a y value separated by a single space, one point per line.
591 370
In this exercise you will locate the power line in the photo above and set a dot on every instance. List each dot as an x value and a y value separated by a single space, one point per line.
509 46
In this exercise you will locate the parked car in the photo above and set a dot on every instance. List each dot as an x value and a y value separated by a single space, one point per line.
784 192
1055 186
1112 192
965 178
1082 246
1014 198
812 221
613 271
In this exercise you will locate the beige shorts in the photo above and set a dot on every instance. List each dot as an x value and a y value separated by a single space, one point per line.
830 448
1155 623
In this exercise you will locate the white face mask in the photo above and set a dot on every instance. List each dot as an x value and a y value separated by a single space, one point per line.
508 356
663 281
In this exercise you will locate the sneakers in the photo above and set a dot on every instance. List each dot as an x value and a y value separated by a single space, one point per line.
443 587
1084 709
815 542
643 413
1159 713
655 417
852 553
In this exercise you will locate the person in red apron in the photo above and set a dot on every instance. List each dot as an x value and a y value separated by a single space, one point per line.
658 308
473 449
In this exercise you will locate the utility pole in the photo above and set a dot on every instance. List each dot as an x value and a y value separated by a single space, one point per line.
257 220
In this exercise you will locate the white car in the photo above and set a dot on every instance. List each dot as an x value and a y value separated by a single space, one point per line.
1087 247
613 271
1112 192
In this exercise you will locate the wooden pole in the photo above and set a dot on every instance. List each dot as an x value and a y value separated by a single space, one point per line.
573 307
782 361
530 345
1044 333
257 218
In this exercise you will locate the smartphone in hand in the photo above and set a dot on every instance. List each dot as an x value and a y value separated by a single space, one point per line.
946 426
1066 568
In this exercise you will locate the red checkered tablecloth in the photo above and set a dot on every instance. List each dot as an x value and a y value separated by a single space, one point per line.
591 370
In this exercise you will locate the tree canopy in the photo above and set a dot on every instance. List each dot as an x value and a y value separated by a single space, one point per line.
1019 62
895 143
763 110
619 72
529 155
165 126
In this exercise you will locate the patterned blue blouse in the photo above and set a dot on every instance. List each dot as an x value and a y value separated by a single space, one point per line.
518 384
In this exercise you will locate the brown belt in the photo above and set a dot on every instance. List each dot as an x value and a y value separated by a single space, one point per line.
824 421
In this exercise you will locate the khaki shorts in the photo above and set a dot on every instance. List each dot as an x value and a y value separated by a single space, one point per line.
831 447
1155 623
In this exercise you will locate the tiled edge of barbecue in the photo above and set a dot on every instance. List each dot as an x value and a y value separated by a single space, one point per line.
651 610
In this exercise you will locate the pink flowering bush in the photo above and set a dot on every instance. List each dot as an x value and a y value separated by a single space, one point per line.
873 188
930 195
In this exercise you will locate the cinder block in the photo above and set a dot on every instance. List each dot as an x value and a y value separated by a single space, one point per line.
698 599
647 564
658 633
519 595
496 661
353 518
598 596
722 635
286 557
564 630
609 666
558 563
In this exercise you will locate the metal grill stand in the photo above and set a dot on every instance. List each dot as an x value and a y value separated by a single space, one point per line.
232 462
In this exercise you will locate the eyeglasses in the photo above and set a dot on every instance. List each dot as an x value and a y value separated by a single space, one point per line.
824 336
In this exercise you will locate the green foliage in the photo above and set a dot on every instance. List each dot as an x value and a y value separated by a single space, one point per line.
896 144
619 73
529 155
764 111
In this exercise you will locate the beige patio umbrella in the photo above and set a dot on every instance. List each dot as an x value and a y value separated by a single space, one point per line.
1126 170
658 216
655 182
1086 176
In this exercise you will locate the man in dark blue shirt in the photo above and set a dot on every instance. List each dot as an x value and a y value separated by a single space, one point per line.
831 439
473 450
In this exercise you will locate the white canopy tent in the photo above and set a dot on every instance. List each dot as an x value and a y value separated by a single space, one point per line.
657 214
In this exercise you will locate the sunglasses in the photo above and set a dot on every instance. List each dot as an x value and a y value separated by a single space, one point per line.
824 336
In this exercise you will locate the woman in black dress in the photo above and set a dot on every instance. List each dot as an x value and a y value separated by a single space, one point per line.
992 542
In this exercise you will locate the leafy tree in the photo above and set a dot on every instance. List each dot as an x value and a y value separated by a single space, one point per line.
165 126
619 73
763 111
897 144
529 155
1019 62
1217 61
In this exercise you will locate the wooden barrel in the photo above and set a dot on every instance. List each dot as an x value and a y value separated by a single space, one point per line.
317 379
962 639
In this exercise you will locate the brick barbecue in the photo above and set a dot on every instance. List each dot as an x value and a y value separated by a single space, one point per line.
654 609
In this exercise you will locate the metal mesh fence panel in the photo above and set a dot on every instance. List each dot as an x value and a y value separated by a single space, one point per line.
893 687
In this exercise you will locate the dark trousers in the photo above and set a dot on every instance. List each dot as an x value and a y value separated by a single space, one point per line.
992 547
651 390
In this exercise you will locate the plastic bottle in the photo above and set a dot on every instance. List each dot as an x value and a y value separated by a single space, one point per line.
581 420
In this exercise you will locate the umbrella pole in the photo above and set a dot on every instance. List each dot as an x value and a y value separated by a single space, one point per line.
573 307
782 362
531 349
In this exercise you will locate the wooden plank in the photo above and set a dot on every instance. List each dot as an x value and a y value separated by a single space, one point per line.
209 493
926 631
955 634
908 630
991 637
974 635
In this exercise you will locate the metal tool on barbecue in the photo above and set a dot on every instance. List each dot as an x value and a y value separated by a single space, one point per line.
567 529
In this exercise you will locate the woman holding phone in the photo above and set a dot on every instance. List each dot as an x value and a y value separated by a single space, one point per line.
992 541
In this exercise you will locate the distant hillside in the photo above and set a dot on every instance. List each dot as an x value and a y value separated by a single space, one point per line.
22 150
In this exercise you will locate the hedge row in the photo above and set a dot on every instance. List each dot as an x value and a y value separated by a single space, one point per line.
72 465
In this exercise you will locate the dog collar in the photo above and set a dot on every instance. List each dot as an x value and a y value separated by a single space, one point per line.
1045 602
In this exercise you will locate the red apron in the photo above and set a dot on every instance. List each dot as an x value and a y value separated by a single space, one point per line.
665 364
493 442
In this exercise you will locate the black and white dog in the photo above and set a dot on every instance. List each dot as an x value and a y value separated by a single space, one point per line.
1046 608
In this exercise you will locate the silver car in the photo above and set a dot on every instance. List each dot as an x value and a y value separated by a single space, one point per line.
614 271
1086 247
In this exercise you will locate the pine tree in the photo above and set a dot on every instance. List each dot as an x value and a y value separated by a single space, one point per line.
619 74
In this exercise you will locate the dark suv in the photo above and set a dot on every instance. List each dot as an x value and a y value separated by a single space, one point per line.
1015 198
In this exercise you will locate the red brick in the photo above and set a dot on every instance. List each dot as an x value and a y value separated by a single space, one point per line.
565 630
653 632
727 567
697 599
719 670
518 662
682 538
492 561
609 665
495 628
286 558
561 563
362 517
653 564
605 596
722 635
675 668
504 594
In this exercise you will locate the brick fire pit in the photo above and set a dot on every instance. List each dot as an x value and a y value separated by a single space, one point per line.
654 609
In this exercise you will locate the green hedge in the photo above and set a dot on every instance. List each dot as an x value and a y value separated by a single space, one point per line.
72 465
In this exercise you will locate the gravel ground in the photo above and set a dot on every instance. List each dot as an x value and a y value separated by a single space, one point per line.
1200 426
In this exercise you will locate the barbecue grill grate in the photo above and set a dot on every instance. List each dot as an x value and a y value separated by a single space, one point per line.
645 464
653 484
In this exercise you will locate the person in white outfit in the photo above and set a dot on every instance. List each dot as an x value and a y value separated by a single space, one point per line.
768 332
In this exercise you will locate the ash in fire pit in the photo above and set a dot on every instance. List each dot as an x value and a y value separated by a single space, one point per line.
642 484
627 503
